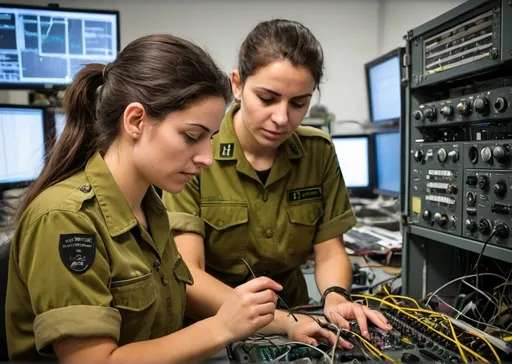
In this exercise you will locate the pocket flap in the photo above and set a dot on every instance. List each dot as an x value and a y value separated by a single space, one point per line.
134 294
182 272
305 213
223 216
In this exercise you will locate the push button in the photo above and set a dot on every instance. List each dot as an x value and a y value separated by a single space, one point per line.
85 188
264 197
165 281
269 233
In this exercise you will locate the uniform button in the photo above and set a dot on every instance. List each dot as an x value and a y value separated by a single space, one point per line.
312 217
165 281
269 233
85 188
264 197
169 301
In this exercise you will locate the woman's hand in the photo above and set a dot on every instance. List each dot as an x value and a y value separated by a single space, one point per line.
310 332
250 307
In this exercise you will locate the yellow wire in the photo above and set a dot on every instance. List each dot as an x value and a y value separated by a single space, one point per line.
457 342
404 311
388 294
507 339
366 342
404 298
488 344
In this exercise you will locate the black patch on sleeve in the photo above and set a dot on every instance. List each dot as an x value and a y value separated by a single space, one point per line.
226 150
312 193
77 251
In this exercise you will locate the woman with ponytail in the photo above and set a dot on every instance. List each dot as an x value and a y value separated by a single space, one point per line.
94 274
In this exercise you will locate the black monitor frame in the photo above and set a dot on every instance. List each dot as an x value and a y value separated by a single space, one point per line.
378 190
47 137
362 192
55 87
393 53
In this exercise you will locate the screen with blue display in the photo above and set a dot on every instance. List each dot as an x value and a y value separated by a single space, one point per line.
22 144
46 47
384 82
387 163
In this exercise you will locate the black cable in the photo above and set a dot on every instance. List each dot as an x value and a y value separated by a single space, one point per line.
475 268
278 297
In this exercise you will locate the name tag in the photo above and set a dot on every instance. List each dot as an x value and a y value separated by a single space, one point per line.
305 194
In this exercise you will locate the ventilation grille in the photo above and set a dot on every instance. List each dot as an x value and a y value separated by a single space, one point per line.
465 43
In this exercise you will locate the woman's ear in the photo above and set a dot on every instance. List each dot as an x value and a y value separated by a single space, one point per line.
236 85
133 117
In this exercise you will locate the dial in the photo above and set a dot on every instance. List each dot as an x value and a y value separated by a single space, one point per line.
471 225
464 108
483 183
446 111
501 153
426 215
454 156
484 226
418 156
481 105
500 188
430 113
486 154
440 219
441 155
500 105
418 115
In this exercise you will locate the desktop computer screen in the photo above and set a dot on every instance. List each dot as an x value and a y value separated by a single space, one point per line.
385 93
387 163
60 123
45 47
22 144
353 154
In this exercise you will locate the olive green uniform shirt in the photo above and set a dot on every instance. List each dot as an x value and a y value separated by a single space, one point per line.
273 226
132 289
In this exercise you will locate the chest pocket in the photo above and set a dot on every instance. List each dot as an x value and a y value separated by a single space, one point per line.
303 219
226 232
135 299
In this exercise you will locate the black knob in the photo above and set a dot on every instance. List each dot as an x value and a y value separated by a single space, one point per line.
483 182
418 156
446 111
418 115
486 154
426 215
441 155
500 188
464 108
484 226
440 219
502 231
430 113
454 156
500 105
481 105
470 198
452 189
471 225
502 153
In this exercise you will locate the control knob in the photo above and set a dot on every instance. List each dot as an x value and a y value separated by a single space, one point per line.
471 198
483 182
440 219
453 155
500 105
481 105
446 111
471 225
486 155
441 155
484 226
502 153
426 215
430 113
500 188
418 156
464 108
418 115
452 189
504 232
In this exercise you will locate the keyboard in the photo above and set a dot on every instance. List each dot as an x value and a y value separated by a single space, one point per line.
372 238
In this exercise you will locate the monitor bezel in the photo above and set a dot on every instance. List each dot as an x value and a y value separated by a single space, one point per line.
393 53
381 191
47 142
361 192
56 87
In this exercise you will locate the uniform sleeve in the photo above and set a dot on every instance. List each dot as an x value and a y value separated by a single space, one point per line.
184 209
67 303
338 216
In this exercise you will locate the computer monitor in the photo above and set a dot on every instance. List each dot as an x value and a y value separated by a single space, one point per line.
22 144
355 156
387 163
384 88
44 47
60 123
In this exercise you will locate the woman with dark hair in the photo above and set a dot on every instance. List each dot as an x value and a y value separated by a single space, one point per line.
94 274
275 192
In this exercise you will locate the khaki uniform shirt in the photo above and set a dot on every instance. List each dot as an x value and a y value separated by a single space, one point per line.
273 226
82 266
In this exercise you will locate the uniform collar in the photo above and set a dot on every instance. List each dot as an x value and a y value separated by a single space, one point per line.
117 212
226 147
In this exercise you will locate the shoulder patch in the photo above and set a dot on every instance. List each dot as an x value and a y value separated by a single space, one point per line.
77 251
309 131
226 150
